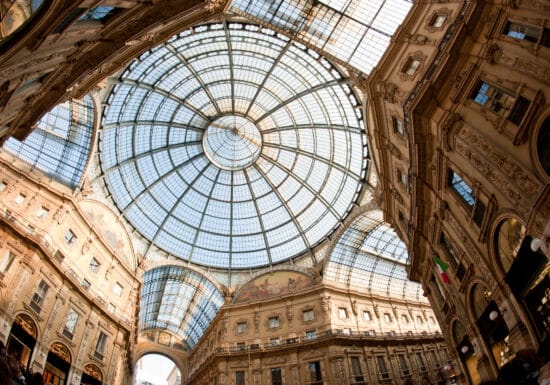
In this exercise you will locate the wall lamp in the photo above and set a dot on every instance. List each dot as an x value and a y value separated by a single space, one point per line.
540 244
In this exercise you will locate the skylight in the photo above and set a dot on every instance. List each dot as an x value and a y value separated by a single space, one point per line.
230 146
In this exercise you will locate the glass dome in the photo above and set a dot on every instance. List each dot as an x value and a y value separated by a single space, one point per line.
231 146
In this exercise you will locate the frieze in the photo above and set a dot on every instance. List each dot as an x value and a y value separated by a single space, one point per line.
541 6
527 182
490 174
536 70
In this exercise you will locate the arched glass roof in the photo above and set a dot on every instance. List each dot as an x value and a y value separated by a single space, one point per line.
60 144
180 300
231 146
369 255
357 32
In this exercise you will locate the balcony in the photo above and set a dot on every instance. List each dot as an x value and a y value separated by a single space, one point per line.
384 376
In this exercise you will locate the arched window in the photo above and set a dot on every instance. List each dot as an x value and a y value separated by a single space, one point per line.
543 145
509 235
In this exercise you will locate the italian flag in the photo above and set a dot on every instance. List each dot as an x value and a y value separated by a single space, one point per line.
442 268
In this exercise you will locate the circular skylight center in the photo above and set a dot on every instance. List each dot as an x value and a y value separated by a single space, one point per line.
232 142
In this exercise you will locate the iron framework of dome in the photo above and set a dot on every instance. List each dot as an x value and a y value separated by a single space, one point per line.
231 146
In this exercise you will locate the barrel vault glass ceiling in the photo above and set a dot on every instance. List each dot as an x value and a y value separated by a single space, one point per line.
239 144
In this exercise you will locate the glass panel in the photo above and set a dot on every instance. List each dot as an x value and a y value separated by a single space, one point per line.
98 13
354 31
462 188
61 143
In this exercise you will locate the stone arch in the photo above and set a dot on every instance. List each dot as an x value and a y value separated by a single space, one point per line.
58 363
92 374
61 350
177 358
477 299
22 338
539 145
27 322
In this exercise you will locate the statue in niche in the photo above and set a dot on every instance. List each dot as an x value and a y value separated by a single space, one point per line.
326 305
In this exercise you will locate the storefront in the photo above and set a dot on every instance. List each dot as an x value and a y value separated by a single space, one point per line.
58 364
22 339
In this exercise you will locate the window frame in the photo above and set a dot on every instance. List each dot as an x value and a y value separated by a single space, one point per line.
343 313
71 321
278 378
274 322
412 66
70 237
94 266
308 315
101 345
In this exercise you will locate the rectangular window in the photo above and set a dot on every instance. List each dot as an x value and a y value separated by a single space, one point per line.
366 315
276 376
42 212
346 331
39 296
85 284
519 110
435 360
419 319
100 345
98 13
70 237
241 346
450 251
382 369
522 31
94 265
411 66
479 212
405 318
239 377
117 289
492 98
402 362
308 315
311 334
20 198
6 261
397 125
463 189
315 376
438 21
3 185
387 318
241 327
274 322
342 313
70 324
111 308
274 341
420 362
356 369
